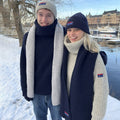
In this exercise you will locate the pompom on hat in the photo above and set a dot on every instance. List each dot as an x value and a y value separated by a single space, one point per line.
46 4
78 20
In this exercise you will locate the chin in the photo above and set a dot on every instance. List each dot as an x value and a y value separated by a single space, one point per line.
73 41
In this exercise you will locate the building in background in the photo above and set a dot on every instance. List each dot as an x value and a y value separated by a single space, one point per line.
111 18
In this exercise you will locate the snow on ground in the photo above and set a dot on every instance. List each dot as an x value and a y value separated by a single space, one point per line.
12 105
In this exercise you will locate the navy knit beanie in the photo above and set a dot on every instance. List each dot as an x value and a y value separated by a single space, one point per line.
78 20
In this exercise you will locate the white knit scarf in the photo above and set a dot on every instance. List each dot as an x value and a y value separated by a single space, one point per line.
56 65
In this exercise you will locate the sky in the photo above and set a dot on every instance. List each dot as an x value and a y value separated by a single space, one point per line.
12 104
95 7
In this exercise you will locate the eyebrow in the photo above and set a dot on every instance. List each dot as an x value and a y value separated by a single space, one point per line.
42 12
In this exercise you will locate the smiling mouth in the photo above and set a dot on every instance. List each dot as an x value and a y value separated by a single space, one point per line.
73 38
44 24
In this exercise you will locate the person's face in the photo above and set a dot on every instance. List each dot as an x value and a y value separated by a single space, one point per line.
74 34
45 17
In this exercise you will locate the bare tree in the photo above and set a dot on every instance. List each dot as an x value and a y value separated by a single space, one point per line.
5 14
17 6
14 5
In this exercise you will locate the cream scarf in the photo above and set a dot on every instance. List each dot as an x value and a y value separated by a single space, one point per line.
56 65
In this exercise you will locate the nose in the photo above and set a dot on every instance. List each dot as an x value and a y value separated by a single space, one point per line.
44 19
72 33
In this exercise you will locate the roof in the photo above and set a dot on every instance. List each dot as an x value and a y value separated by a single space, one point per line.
112 11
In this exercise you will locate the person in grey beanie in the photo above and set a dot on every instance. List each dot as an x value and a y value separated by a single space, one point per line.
84 80
40 62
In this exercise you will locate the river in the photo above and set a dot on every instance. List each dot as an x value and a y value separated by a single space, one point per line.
113 67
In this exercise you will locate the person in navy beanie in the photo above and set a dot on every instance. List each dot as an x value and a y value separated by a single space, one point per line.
40 62
84 80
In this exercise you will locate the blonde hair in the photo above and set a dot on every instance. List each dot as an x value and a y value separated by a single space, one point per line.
90 44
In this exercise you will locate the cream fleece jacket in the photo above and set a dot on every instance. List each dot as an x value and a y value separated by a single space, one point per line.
101 89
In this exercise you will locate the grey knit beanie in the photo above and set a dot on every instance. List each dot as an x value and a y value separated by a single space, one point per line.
78 20
47 5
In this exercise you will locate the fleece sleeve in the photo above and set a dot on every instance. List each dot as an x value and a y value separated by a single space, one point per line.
101 90
23 67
